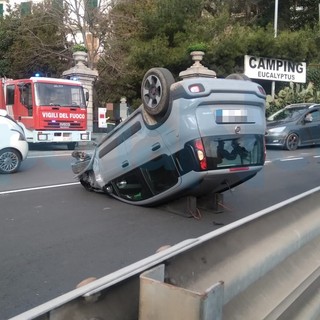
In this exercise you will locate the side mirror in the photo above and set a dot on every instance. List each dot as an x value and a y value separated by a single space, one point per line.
87 96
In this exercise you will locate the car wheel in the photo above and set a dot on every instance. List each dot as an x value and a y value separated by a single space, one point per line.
10 160
238 76
155 90
71 145
292 142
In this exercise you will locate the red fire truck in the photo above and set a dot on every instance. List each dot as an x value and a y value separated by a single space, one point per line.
49 110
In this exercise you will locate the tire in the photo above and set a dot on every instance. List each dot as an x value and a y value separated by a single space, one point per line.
155 91
71 145
10 161
292 142
238 76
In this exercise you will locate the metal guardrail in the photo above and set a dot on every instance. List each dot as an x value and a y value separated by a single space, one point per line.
265 266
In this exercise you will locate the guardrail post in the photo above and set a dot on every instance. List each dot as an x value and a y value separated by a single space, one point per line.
162 301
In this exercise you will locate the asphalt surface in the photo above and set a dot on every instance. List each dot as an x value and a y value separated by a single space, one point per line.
54 234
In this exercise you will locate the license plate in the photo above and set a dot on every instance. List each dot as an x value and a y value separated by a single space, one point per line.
231 116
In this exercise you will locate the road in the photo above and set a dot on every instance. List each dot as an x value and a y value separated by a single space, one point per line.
53 233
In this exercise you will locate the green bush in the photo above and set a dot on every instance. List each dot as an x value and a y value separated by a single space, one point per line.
294 93
79 47
197 47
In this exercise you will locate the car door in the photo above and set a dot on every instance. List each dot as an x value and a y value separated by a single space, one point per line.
315 128
144 145
310 130
112 158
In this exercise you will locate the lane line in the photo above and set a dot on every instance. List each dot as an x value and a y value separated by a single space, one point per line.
39 188
292 159
49 156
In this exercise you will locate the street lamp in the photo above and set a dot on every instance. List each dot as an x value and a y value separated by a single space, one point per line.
273 84
276 18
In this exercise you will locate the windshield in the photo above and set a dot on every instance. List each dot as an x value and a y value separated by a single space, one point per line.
58 94
289 114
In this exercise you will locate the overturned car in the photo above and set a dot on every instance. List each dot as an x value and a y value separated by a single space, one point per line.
197 136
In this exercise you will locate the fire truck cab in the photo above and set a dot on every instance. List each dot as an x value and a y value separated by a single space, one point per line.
49 110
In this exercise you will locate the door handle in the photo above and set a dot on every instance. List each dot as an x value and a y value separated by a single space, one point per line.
125 164
156 146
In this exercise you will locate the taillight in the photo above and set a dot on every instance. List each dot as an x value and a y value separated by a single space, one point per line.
196 88
262 90
201 155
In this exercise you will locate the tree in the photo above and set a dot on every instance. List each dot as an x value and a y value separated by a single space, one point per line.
153 33
86 22
304 13
33 43
139 29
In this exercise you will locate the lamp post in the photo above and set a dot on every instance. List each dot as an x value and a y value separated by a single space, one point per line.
273 85
276 18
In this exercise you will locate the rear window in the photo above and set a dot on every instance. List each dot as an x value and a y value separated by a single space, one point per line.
234 151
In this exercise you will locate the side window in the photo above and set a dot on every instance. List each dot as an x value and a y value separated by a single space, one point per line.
26 97
131 186
152 178
10 94
313 116
160 173
316 115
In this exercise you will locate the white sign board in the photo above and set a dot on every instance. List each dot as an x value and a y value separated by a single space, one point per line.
274 69
102 121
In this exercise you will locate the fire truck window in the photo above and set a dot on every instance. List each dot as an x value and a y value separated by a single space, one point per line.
26 97
77 98
10 95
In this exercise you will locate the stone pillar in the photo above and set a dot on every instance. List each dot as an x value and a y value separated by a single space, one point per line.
197 69
87 77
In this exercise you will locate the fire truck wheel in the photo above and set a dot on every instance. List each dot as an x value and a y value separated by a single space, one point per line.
71 145
155 91
10 160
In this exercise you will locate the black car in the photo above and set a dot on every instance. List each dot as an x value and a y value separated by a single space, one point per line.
294 126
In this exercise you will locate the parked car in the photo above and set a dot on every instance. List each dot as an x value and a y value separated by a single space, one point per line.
193 137
13 145
294 126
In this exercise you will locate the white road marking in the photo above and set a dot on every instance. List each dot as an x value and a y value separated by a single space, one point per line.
292 159
39 188
49 156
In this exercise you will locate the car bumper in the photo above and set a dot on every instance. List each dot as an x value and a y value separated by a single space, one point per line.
275 140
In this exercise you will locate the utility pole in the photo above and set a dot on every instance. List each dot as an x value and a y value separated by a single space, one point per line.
273 85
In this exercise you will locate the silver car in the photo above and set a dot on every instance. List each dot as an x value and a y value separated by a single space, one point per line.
195 137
